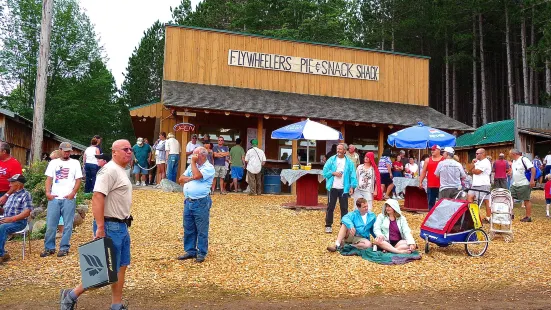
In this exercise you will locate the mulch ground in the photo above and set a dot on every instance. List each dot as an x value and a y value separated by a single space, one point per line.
261 251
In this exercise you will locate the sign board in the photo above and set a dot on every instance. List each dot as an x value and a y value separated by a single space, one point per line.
302 65
186 113
184 127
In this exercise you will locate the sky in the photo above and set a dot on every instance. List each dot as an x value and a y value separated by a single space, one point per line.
120 25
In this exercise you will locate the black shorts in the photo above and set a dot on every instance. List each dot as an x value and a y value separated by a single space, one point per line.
385 179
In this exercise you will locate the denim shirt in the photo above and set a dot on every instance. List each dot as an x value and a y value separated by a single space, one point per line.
196 189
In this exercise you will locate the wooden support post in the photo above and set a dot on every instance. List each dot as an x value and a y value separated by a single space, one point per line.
294 161
343 133
259 132
185 140
381 141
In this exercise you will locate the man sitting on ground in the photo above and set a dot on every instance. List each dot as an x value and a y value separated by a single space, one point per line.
356 227
16 210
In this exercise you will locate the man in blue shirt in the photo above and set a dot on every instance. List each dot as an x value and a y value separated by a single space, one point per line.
197 181
142 157
221 153
16 210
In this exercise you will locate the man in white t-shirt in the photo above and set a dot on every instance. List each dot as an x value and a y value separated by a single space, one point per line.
481 171
255 159
521 187
62 183
547 163
172 147
192 145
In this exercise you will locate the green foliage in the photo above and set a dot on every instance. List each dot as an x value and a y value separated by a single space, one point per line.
36 182
37 235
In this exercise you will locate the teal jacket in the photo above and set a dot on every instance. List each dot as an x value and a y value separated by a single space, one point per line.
354 219
349 176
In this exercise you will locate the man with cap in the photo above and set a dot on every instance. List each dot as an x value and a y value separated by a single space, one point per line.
433 181
103 159
142 157
255 159
9 166
450 173
191 146
62 183
16 210
500 168
481 171
111 205
172 147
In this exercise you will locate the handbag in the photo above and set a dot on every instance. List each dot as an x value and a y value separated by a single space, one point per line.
528 172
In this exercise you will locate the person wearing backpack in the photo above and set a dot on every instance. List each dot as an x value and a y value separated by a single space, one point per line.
521 186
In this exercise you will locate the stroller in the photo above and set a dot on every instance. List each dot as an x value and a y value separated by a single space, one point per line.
501 222
453 221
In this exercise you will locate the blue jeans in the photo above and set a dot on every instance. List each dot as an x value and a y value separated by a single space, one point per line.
172 167
432 195
118 233
91 171
196 226
57 208
7 229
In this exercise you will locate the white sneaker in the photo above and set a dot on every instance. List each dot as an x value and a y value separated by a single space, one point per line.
138 183
143 183
328 230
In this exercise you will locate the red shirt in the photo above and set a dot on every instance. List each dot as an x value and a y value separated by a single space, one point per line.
500 167
7 169
432 180
547 190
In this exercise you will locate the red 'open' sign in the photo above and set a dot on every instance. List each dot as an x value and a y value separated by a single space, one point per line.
184 127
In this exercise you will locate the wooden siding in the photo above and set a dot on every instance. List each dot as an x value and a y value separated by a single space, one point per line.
201 56
150 110
535 117
492 151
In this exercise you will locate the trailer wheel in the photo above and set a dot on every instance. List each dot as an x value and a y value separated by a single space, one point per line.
477 243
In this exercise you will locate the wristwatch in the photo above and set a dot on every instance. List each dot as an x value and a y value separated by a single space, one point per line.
7 195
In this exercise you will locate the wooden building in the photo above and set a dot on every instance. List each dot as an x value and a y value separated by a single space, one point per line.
242 85
17 131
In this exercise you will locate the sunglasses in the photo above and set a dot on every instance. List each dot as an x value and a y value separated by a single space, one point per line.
478 153
126 149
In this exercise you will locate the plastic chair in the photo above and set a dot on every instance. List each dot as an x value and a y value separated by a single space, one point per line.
25 232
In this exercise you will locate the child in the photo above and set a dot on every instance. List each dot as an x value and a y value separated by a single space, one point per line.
547 193
356 227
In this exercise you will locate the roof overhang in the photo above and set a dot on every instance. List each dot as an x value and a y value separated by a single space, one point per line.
264 102
536 132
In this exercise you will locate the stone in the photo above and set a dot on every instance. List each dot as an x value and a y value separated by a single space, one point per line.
38 213
169 186
38 225
78 220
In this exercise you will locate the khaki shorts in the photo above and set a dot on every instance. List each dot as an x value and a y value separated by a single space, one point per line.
481 195
448 193
354 239
521 192
220 171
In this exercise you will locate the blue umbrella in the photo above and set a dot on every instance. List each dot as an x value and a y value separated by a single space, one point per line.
420 137
307 130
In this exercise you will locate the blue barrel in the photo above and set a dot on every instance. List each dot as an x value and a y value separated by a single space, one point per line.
272 184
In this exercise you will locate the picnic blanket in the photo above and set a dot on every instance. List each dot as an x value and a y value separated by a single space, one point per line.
380 257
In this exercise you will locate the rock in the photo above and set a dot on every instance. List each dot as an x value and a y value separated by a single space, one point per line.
169 186
82 210
78 220
38 225
38 213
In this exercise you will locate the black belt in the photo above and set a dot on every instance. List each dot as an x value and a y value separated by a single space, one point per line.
127 221
191 199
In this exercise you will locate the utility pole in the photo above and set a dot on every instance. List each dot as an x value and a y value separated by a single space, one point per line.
41 80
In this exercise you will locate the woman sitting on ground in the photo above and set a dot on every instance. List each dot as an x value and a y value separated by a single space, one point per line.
392 232
355 228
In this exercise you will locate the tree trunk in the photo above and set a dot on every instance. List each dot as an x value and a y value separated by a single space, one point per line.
531 68
41 80
509 63
454 86
475 76
548 80
482 72
524 59
447 62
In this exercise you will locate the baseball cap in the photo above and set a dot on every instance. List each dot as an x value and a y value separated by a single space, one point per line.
193 136
501 155
17 178
448 149
435 147
140 141
103 156
66 146
254 142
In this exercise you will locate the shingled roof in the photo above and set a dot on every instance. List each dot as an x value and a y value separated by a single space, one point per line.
254 101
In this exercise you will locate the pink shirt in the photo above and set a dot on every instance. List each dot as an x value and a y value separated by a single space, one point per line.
500 167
